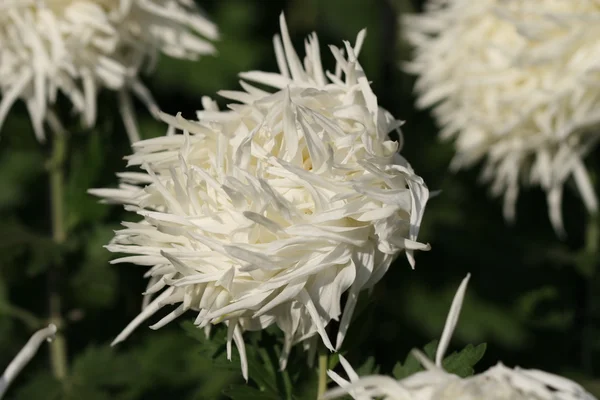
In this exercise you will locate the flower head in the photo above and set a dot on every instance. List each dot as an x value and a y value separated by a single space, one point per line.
497 383
266 213
516 84
77 47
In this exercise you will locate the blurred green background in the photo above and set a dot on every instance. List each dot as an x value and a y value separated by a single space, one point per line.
532 298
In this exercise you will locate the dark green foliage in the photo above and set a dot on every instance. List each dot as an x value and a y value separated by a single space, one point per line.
86 166
18 169
533 298
265 379
460 363
411 364
95 283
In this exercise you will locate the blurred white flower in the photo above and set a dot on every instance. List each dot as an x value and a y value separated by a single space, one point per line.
77 47
269 211
497 383
516 83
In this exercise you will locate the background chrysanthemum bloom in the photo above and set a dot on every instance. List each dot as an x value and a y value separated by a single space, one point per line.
515 83
76 47
497 383
268 212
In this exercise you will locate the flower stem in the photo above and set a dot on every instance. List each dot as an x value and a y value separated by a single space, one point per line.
58 347
322 375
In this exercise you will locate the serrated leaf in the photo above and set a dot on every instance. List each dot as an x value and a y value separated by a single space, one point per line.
461 363
259 374
212 348
262 368
410 366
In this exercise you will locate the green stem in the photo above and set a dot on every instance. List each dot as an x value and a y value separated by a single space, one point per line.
322 375
56 166
287 383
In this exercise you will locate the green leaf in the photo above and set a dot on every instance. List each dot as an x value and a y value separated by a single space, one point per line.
262 363
461 363
333 361
369 367
213 348
430 349
410 366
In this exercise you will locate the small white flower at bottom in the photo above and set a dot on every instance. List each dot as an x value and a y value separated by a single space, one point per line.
497 383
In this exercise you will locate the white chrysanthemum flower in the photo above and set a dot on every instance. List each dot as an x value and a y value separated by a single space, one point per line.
516 83
497 383
77 47
268 212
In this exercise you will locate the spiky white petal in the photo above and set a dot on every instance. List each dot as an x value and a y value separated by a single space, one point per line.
24 356
516 84
77 47
268 212
497 383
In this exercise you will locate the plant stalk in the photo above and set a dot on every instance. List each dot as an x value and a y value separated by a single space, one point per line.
56 166
322 375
